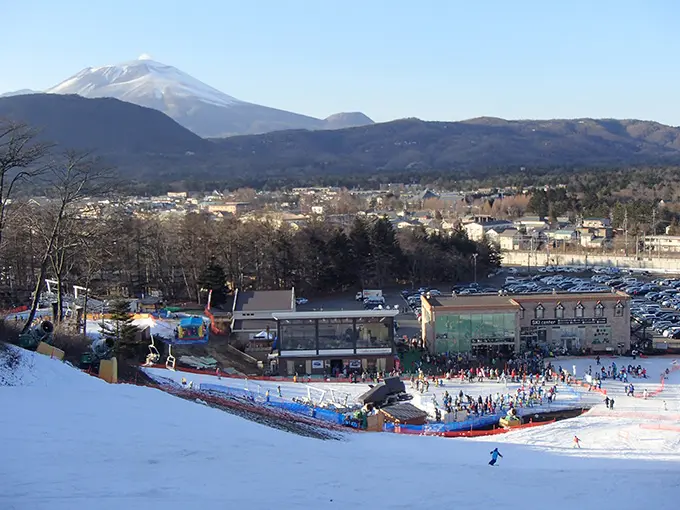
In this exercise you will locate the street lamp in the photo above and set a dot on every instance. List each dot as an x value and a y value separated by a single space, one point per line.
474 264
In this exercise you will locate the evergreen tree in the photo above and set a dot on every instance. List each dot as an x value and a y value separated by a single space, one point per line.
213 278
387 255
120 332
343 266
360 238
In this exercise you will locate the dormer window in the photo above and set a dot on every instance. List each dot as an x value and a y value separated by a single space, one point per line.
618 309
559 311
599 309
539 311
578 311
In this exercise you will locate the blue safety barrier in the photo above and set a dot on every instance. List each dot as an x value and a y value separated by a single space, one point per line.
435 428
277 402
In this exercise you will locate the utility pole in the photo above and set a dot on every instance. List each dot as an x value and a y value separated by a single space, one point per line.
653 231
625 230
474 263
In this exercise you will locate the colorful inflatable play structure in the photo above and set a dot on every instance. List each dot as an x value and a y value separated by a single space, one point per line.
191 330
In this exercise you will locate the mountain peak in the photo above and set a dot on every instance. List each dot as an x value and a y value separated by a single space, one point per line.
145 82
347 119
197 106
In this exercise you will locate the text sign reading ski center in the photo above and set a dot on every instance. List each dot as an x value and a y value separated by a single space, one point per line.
568 322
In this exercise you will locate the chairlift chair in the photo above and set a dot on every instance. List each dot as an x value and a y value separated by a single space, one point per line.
170 361
154 356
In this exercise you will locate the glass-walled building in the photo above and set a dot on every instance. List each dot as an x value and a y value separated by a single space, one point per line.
501 325
334 342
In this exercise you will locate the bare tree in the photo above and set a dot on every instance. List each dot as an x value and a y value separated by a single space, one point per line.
21 155
70 178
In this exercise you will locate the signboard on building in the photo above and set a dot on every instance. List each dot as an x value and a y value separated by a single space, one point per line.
355 363
317 363
492 341
576 321
375 350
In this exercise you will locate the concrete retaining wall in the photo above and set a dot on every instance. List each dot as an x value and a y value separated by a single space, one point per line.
540 259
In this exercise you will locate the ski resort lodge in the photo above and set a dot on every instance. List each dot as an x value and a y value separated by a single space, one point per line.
327 342
596 322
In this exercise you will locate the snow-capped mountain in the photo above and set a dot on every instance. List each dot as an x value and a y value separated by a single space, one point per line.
201 108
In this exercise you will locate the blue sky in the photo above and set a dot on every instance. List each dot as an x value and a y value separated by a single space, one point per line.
432 59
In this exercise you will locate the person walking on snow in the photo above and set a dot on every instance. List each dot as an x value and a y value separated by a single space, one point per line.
577 442
494 456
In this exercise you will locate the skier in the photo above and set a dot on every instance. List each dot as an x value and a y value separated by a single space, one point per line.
278 389
665 406
494 456
577 442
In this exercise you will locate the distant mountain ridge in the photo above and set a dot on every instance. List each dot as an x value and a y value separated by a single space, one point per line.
103 126
147 144
412 144
200 108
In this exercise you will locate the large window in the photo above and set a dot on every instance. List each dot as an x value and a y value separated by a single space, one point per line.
298 335
374 332
336 334
458 333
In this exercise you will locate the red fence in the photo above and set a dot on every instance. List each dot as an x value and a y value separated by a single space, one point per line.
660 426
662 384
472 433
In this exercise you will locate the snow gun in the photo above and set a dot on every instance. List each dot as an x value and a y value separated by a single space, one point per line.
43 332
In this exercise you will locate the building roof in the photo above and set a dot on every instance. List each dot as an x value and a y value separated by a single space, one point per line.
509 232
336 314
514 302
404 412
427 194
264 300
571 296
473 301
252 325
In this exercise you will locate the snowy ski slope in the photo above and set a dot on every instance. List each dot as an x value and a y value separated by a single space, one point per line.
71 441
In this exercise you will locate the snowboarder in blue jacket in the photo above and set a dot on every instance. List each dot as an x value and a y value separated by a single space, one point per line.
494 456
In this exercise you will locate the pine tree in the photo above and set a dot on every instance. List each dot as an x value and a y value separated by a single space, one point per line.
214 278
120 330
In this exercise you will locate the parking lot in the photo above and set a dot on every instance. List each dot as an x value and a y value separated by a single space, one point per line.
655 306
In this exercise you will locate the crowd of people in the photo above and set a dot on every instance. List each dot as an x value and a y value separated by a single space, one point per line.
473 367
534 391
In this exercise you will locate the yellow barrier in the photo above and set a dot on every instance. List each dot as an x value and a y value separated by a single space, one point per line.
108 370
48 350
